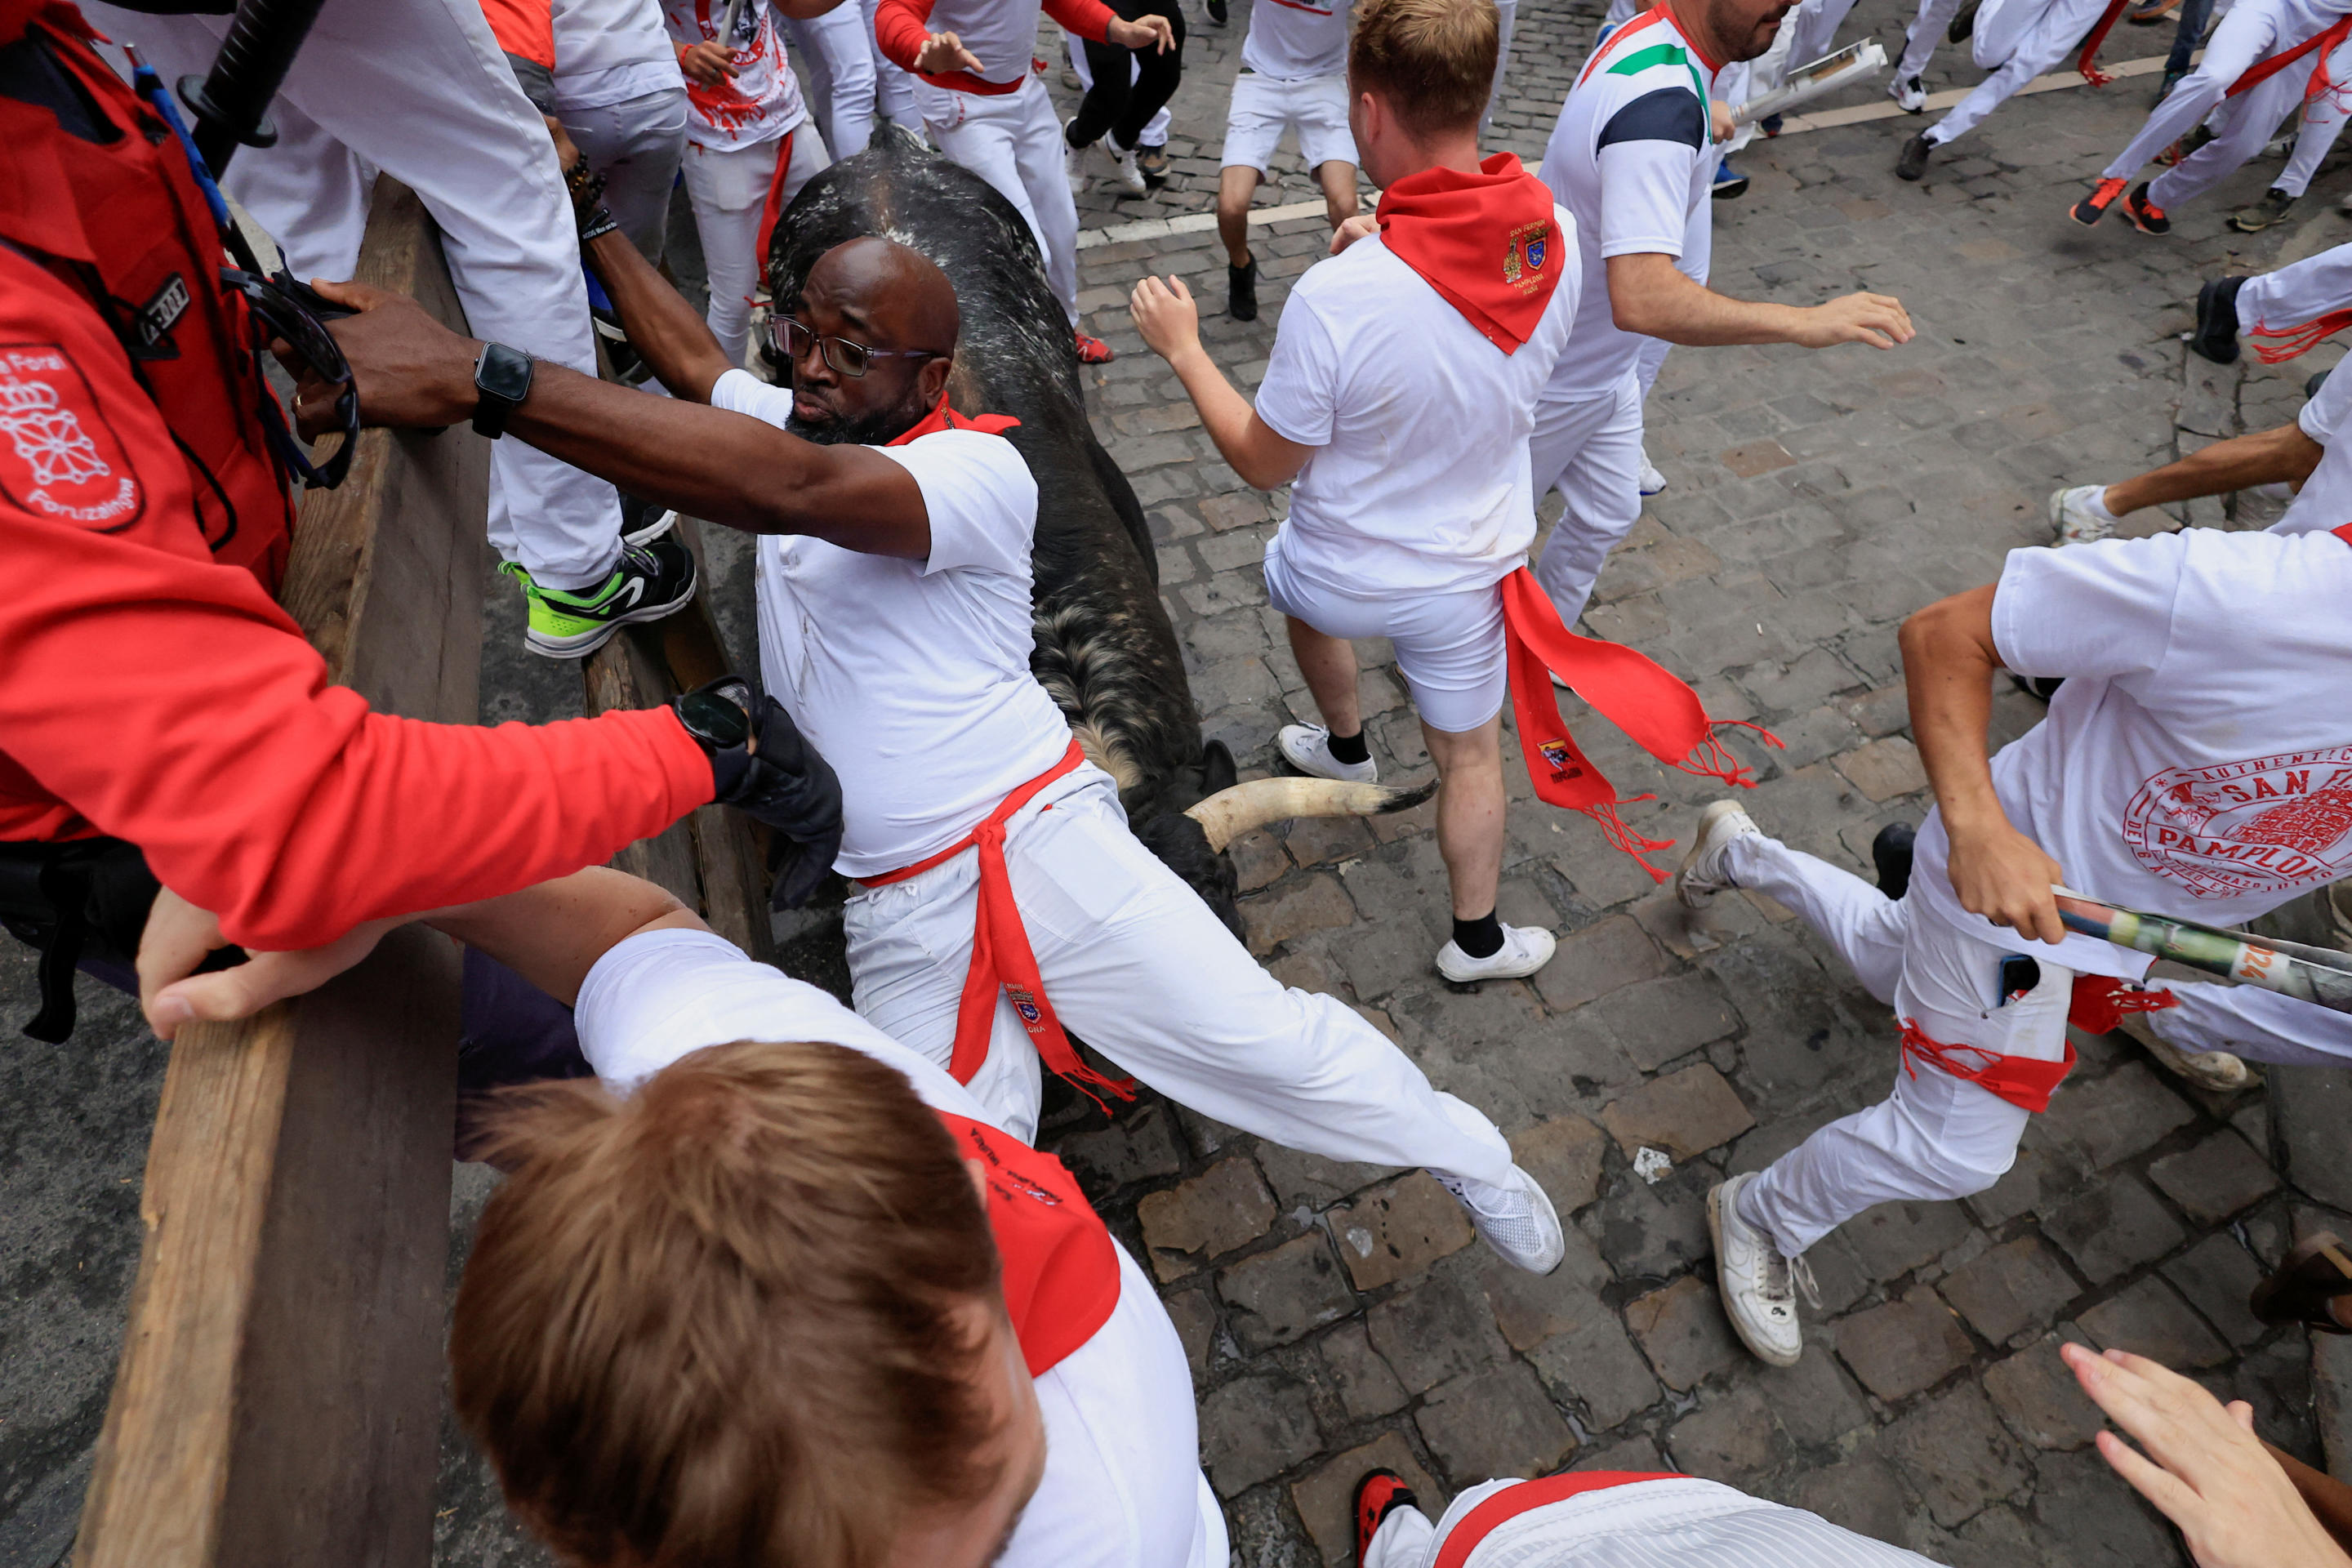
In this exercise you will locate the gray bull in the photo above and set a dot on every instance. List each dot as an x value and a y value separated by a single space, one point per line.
1104 646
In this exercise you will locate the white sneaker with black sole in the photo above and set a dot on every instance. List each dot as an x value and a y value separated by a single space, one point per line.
1123 166
1517 1221
1703 873
1910 94
2076 519
1760 1286
1652 481
1073 162
1307 748
1525 950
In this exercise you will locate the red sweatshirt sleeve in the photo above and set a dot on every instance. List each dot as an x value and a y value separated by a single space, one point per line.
1087 18
900 26
147 693
525 27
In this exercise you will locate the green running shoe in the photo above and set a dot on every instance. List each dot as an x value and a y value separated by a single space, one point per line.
655 578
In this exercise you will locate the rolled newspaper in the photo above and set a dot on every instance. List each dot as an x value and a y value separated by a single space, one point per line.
1804 83
2312 974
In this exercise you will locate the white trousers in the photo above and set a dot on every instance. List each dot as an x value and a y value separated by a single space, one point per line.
1592 451
838 50
1920 41
1136 965
2250 32
2242 126
1014 142
1156 129
1817 23
892 85
2250 1022
1934 1136
2302 292
727 187
419 89
636 145
2017 41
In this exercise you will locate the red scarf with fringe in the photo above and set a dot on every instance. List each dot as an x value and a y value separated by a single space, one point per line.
1486 242
1638 695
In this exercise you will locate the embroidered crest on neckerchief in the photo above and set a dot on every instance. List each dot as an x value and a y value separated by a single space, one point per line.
1525 253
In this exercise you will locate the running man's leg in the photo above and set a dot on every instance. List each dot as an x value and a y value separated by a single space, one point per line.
1037 146
2242 128
1600 480
1507 19
727 187
1927 30
2247 34
2301 292
2316 131
2051 35
985 138
1864 925
892 86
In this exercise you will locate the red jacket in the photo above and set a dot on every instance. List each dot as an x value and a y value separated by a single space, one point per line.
151 692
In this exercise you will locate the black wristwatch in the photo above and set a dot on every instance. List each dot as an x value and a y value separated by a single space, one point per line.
717 714
502 380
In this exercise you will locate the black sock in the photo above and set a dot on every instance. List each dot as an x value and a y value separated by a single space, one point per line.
1350 748
1481 937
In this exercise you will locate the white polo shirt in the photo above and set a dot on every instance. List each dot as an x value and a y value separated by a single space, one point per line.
762 100
911 678
2197 761
1292 40
1123 1486
2324 503
1420 480
1632 159
609 51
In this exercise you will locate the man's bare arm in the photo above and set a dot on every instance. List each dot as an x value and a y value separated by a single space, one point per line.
1170 324
728 469
1949 660
2284 456
552 934
1650 295
668 334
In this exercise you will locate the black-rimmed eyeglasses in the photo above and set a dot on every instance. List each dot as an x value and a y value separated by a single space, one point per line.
790 342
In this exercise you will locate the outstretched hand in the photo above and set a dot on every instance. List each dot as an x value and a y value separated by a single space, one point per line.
1166 316
180 936
1877 320
2200 1462
1352 230
410 370
1151 31
942 53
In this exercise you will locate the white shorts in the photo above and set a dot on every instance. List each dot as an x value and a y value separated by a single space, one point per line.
1263 107
1449 646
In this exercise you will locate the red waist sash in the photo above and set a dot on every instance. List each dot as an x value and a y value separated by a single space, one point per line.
1002 959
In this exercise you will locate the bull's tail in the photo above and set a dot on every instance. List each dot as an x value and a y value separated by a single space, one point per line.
1230 813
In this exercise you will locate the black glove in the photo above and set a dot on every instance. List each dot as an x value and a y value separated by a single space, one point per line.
771 771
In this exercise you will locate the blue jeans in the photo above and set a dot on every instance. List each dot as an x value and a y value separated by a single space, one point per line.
2187 36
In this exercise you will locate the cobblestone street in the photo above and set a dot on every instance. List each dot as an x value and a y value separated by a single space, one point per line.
1338 1317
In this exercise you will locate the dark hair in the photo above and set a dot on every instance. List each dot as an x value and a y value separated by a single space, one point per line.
725 1320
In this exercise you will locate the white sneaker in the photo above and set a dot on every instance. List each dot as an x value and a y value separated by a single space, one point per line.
1703 874
1517 1221
1652 481
1759 1286
2216 1071
1525 950
1307 748
2078 522
1123 166
1910 94
1073 162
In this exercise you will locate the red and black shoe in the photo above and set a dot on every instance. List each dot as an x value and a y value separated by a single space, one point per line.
2144 215
2094 207
1094 351
1378 1494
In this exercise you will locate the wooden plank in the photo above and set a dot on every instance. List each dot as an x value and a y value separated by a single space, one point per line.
278 1403
712 860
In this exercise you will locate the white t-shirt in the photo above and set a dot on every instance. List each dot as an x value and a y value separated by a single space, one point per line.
1123 1486
609 51
2197 761
1291 40
2324 503
1419 481
1631 158
1685 1521
1000 34
911 678
759 103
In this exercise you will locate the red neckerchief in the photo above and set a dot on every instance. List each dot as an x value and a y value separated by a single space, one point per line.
1061 1272
1640 697
942 417
1487 242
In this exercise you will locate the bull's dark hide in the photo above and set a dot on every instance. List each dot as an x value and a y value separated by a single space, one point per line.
1104 648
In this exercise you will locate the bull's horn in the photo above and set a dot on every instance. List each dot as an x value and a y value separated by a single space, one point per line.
1230 813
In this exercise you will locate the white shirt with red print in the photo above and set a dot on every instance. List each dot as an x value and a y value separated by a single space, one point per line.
2197 761
762 100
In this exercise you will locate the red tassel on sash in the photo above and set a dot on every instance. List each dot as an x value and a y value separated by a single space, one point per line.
1633 691
2100 1002
2092 73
